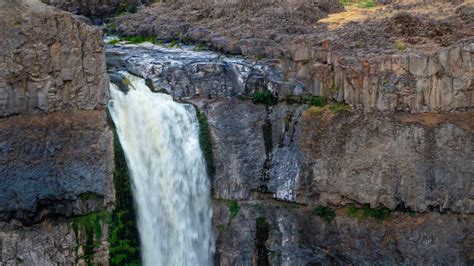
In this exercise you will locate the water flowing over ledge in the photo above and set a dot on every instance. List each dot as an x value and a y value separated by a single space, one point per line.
170 184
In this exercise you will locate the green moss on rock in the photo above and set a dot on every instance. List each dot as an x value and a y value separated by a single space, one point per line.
123 233
91 225
205 141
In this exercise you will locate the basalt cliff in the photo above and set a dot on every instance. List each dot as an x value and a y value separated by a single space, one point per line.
333 134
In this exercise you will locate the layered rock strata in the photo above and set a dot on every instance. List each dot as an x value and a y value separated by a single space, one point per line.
404 58
56 148
97 8
276 164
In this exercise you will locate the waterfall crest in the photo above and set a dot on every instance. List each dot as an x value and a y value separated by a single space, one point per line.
171 189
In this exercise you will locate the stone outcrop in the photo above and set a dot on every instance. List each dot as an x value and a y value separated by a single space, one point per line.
294 235
59 66
97 8
56 148
403 59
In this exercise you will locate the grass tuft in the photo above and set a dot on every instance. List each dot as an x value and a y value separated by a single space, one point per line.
379 213
326 213
359 3
234 209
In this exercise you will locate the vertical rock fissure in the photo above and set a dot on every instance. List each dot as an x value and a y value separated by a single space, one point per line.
267 139
262 234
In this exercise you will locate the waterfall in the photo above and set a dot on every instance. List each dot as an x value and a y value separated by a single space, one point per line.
171 189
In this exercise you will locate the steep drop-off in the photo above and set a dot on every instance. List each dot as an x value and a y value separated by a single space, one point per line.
56 149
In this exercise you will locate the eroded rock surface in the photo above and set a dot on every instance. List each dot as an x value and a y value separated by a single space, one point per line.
96 8
417 166
402 58
294 235
59 66
56 148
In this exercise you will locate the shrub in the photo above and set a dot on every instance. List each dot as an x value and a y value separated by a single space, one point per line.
233 209
173 44
326 213
400 46
263 97
132 8
339 107
114 41
319 101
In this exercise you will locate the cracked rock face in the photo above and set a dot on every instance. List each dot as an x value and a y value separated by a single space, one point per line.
293 235
279 162
59 66
56 148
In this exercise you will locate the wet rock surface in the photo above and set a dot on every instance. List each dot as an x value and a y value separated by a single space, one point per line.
186 73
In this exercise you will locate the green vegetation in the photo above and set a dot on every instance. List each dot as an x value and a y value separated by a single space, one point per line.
366 211
262 97
126 8
89 196
234 209
114 41
334 88
205 140
359 3
339 107
139 39
91 225
326 213
314 111
319 101
400 46
132 8
199 47
123 233
173 44
221 227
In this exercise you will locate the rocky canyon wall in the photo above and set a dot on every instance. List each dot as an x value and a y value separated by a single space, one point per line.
56 148
97 8
326 184
379 174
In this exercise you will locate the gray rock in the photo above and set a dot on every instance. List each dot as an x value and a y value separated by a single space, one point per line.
96 8
298 237
51 242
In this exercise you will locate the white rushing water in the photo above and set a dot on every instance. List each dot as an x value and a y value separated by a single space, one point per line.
171 189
